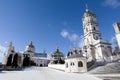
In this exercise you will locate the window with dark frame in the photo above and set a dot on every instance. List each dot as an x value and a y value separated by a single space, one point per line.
80 64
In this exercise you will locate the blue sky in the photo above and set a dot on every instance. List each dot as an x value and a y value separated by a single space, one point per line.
53 22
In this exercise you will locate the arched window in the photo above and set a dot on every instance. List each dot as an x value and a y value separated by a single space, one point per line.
15 61
9 60
66 65
41 65
73 64
80 64
26 61
94 28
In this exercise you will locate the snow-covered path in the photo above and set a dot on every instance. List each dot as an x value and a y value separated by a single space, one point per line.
39 73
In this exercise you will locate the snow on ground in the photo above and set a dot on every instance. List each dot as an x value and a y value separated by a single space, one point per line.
110 68
43 73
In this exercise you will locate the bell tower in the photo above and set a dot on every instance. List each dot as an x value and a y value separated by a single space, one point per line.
90 27
95 47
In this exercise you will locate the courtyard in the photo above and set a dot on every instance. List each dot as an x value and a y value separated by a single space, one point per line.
43 73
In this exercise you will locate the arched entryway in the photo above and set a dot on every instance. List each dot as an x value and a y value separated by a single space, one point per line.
9 60
15 61
41 65
26 61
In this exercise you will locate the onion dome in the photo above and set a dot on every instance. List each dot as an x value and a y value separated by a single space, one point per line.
30 47
79 50
69 53
57 53
75 53
75 50
31 44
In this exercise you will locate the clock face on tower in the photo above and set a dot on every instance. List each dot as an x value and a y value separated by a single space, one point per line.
95 37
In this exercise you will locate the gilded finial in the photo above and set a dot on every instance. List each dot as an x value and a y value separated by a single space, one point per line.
86 7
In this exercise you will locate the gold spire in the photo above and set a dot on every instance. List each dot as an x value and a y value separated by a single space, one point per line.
87 8
70 52
74 46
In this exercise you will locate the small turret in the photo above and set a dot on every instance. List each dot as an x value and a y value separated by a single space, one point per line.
10 48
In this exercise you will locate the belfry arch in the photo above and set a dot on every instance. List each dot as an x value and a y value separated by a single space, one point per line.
15 61
26 60
9 60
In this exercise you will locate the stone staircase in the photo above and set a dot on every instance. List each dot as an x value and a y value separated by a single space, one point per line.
106 69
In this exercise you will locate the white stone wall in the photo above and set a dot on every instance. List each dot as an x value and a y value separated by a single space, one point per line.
75 68
57 66
40 61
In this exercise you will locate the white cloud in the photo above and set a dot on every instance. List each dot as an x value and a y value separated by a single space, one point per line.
73 37
111 3
64 33
2 51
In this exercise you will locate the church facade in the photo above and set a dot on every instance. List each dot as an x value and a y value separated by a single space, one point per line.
13 59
